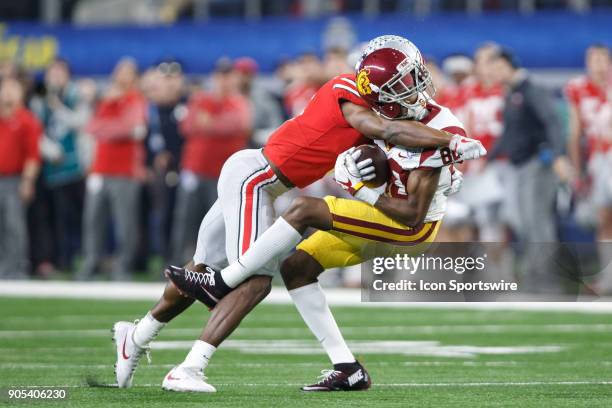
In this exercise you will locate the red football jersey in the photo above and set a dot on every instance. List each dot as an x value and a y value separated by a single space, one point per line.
305 148
482 113
19 137
594 112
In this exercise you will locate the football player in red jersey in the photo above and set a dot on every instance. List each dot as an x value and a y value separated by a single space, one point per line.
590 106
345 112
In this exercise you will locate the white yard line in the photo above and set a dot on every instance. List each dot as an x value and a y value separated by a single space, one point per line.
495 384
373 347
312 347
50 366
339 297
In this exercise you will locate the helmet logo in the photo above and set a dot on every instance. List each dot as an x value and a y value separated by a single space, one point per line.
363 82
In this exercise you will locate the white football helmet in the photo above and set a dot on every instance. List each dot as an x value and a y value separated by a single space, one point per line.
392 72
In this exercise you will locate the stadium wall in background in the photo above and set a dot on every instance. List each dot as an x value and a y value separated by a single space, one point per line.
542 40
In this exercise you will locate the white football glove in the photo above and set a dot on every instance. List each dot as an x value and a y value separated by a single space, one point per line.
467 148
365 167
351 175
456 182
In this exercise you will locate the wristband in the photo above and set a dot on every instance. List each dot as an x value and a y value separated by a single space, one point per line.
367 195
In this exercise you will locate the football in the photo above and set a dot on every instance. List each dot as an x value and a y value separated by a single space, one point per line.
379 161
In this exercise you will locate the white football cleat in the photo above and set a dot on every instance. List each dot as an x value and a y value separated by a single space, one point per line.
186 379
128 353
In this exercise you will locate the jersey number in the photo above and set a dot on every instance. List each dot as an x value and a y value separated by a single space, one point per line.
448 156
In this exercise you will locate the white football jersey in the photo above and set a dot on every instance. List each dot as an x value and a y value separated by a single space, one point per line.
403 160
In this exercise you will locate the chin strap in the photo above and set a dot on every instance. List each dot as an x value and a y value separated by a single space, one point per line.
419 112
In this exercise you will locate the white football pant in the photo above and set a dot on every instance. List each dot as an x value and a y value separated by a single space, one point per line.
244 209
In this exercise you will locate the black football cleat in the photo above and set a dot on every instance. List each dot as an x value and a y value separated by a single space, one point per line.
203 283
344 377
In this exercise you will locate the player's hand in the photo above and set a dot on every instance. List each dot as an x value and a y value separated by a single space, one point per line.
467 148
365 167
456 182
351 174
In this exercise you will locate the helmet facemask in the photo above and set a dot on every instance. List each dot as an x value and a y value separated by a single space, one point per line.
412 79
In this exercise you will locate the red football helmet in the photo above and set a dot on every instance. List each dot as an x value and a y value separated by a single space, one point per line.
392 78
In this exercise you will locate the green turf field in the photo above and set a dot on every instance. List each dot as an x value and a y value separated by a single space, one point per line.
437 358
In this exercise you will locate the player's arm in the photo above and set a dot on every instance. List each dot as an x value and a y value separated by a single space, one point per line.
408 133
403 133
421 187
410 211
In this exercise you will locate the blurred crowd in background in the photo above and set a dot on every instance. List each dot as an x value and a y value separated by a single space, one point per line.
170 11
127 165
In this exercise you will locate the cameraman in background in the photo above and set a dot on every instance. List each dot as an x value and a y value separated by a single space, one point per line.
63 113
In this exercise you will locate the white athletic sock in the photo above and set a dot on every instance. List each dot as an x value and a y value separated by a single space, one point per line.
312 305
146 330
200 355
277 240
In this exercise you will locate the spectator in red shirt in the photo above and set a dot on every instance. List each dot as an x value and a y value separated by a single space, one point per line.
217 124
459 69
20 132
113 187
305 76
483 191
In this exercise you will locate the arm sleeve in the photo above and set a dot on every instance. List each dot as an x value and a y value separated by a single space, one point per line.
455 130
238 119
543 106
344 89
118 127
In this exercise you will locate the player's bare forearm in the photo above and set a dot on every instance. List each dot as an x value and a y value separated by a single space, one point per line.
411 211
404 211
413 134
401 132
